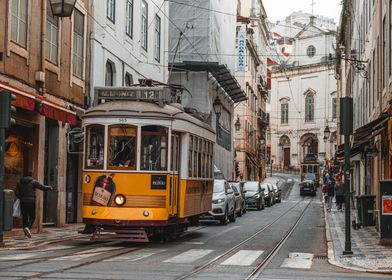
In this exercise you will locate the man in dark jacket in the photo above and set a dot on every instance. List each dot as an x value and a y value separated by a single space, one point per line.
25 191
339 192
331 193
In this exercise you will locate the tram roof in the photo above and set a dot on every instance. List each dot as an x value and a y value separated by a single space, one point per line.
140 109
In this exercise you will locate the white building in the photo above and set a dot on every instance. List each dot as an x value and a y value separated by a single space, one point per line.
303 99
201 47
128 42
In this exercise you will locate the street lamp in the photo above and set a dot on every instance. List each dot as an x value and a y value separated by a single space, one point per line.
62 8
217 107
325 139
327 132
237 124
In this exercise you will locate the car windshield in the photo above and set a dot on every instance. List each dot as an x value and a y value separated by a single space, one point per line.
219 186
266 188
310 176
251 186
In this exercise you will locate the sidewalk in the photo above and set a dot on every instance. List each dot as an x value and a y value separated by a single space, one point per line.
46 237
369 255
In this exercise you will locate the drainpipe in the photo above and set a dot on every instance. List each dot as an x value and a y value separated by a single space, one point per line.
43 44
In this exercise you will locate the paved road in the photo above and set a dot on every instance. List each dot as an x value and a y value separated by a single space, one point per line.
210 251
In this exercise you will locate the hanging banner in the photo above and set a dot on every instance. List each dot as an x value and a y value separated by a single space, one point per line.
241 61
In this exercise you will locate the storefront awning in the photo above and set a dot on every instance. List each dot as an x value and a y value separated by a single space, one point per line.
369 130
27 100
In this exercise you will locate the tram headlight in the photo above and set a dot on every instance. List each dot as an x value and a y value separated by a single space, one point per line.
119 199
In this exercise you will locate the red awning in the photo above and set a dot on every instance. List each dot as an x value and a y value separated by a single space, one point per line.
55 112
23 100
26 100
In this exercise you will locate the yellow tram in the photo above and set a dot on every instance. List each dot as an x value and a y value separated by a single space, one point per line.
148 165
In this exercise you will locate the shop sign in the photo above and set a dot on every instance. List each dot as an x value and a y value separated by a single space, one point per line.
387 205
241 51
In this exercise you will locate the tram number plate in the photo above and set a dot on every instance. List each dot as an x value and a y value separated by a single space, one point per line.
158 182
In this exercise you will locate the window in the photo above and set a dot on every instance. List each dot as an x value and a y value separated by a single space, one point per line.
309 107
110 9
154 148
144 24
19 16
109 74
333 108
223 130
52 31
200 159
122 147
129 18
311 51
157 54
128 80
284 113
78 44
95 146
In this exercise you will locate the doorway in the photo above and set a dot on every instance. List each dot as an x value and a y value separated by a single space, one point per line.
286 157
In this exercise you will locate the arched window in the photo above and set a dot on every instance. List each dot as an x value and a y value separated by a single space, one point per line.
109 74
284 110
128 80
309 107
311 51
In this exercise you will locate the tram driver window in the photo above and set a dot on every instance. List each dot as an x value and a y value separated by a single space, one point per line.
154 148
122 149
95 146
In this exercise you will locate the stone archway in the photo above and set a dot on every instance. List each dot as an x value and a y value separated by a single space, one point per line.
309 144
285 144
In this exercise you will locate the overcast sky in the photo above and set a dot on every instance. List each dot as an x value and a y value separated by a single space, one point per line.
279 9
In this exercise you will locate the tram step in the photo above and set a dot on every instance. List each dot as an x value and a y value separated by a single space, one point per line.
131 235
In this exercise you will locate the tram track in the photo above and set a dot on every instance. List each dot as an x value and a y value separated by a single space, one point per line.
235 248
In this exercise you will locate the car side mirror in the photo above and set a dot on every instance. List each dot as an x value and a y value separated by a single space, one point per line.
244 191
262 189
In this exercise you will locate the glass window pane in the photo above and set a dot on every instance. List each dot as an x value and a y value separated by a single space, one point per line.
95 146
22 34
154 148
122 146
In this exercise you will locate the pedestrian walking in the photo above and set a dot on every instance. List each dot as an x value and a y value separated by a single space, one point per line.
331 193
339 192
25 191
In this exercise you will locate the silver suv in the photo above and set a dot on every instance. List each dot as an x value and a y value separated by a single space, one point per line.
223 203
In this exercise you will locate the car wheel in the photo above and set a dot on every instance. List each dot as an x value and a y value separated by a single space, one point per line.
263 205
241 211
225 219
259 206
244 209
232 216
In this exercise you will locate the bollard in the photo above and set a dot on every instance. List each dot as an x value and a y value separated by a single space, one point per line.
8 209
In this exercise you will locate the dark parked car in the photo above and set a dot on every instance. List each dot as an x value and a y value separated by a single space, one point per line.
239 197
268 194
307 187
277 192
254 195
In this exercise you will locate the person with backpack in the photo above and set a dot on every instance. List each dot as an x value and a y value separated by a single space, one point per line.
331 193
25 191
339 192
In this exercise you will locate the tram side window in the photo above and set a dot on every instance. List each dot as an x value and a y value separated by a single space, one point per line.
190 157
122 147
154 148
200 157
95 146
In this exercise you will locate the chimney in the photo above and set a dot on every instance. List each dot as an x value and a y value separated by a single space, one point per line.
312 19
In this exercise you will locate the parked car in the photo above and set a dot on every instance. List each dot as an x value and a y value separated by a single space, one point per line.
277 192
268 194
254 195
223 203
240 207
307 187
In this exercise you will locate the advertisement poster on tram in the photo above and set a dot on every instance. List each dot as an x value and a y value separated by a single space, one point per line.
104 190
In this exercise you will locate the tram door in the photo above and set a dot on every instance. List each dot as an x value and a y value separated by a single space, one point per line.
175 167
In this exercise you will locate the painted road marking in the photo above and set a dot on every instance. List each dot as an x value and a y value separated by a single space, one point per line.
243 257
298 261
133 257
98 250
75 258
189 256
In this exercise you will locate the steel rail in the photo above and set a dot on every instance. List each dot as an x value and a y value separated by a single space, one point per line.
231 250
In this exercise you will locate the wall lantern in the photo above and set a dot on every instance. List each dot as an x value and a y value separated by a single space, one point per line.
217 107
327 132
62 8
237 124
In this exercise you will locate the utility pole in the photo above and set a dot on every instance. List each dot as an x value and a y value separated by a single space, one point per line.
346 129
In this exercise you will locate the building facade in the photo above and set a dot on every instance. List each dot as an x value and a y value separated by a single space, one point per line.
44 62
251 119
128 42
365 74
303 98
201 44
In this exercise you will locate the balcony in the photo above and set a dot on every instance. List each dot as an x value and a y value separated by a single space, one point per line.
263 118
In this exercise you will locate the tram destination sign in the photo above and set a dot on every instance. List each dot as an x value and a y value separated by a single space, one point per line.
158 95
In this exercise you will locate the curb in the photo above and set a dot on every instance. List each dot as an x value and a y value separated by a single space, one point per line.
331 252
